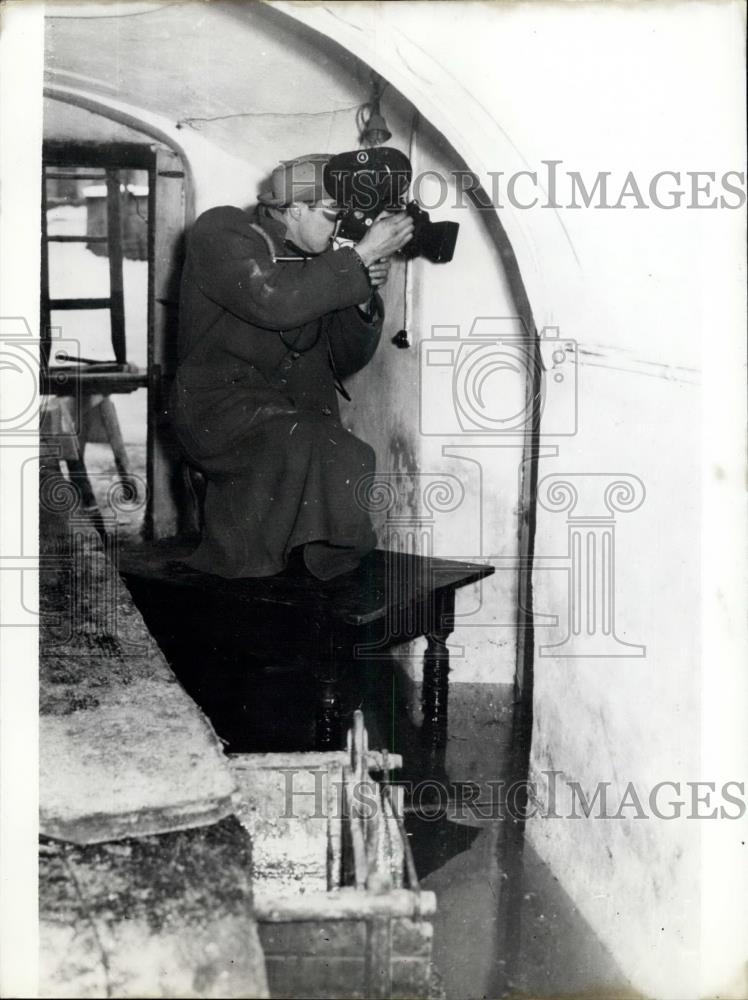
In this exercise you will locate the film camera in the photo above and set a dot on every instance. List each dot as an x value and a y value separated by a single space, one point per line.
369 181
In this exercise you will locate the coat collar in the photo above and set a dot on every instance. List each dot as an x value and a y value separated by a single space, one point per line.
276 230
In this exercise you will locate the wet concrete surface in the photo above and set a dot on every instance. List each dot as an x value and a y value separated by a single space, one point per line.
167 915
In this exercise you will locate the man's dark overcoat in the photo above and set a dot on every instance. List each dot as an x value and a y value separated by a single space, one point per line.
262 344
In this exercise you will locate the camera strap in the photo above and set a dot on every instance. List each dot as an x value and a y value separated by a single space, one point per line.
278 259
304 350
335 377
274 255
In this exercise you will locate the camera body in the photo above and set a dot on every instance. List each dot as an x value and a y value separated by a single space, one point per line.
369 181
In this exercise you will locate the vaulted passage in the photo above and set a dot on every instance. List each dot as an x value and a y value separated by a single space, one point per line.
497 648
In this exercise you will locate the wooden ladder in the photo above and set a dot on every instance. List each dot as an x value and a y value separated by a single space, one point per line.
114 303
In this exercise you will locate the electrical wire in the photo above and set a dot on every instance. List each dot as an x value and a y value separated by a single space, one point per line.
406 277
134 198
267 114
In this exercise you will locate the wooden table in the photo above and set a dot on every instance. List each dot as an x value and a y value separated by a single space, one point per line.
390 599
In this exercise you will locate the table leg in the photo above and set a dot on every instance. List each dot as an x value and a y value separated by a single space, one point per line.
79 478
327 674
327 723
435 690
121 461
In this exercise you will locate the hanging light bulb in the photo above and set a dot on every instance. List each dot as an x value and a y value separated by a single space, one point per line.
373 129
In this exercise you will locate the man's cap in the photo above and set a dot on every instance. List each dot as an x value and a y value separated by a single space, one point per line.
296 180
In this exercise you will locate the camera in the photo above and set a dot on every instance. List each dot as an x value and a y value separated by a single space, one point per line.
369 181
488 378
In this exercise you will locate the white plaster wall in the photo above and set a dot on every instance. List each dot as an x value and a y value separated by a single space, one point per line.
599 718
647 294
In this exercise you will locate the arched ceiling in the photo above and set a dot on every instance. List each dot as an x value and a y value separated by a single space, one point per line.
258 84
72 124
227 70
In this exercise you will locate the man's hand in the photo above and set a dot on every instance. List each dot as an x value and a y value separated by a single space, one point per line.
378 273
388 234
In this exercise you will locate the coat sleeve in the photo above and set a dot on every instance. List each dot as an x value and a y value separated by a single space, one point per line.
353 339
232 266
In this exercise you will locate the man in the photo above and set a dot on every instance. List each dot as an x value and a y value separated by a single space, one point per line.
264 343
